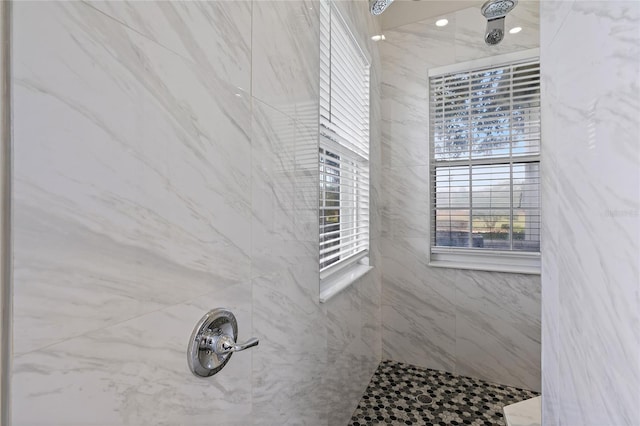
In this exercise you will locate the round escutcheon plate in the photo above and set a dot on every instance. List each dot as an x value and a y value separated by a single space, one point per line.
202 359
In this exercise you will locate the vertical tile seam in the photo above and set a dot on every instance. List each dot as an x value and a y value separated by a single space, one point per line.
6 243
251 207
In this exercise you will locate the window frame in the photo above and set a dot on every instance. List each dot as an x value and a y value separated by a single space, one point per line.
339 275
459 257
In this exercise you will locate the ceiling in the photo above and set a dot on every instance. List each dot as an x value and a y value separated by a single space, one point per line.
402 12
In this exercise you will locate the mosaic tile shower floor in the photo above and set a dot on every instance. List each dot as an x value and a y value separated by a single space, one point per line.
401 394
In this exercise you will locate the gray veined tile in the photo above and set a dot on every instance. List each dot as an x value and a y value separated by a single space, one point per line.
285 57
552 17
405 209
136 373
137 212
418 308
369 290
345 377
590 294
127 141
306 182
215 35
273 180
306 38
71 280
289 368
498 328
405 131
413 48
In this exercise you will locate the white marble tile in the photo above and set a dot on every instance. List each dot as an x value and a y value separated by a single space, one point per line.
375 158
590 71
289 369
420 43
418 306
306 180
273 181
552 17
285 57
307 86
408 53
150 188
405 206
370 290
117 140
551 229
216 35
524 413
480 324
353 343
405 125
349 367
498 328
312 354
136 373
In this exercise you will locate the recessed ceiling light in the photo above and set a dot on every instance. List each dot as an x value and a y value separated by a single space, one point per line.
378 37
442 22
515 30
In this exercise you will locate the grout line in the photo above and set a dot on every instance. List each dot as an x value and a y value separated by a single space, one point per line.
251 198
6 297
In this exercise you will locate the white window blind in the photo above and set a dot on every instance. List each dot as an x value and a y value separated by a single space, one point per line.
485 160
344 145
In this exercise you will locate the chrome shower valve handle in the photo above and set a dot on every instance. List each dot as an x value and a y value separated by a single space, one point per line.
225 345
213 341
222 344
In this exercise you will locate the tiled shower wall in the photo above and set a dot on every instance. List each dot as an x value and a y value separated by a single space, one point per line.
480 324
166 164
591 200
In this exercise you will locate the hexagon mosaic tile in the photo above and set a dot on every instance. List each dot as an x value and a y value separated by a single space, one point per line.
402 394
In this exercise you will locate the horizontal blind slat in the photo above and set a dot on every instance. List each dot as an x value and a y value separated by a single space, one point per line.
480 122
344 145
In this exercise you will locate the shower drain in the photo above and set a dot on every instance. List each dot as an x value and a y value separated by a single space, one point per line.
424 399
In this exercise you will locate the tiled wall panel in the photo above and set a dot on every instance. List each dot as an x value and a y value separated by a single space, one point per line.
166 164
591 201
481 324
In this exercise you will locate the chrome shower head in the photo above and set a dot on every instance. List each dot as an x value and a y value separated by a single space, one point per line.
495 12
493 9
378 6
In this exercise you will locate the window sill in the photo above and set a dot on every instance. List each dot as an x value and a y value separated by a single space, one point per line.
516 263
336 283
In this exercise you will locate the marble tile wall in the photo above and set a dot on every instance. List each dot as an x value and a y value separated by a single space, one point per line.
481 324
591 205
354 316
166 164
5 137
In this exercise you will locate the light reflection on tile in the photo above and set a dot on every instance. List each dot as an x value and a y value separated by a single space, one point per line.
157 177
591 156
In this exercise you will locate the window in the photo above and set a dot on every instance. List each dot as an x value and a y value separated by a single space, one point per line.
343 152
485 168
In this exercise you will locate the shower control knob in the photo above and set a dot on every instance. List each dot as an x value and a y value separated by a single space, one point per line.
225 344
213 341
